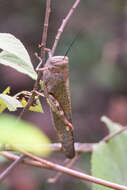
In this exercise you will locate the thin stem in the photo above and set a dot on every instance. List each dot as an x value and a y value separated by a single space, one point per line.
44 35
110 136
11 167
57 147
64 23
79 147
79 175
11 156
49 165
36 85
68 165
43 45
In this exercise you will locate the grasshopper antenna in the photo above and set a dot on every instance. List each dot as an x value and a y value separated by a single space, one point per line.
72 43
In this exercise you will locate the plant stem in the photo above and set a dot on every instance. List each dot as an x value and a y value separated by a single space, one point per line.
7 171
79 175
43 45
62 26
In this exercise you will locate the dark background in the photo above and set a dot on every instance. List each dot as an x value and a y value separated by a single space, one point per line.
98 69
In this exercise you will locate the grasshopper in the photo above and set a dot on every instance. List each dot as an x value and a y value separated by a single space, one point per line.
56 90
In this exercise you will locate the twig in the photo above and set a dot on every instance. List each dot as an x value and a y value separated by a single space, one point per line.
44 35
79 175
79 147
110 136
43 44
11 156
69 165
64 22
10 168
48 165
36 85
57 147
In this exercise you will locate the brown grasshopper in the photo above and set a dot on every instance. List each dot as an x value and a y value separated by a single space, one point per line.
56 90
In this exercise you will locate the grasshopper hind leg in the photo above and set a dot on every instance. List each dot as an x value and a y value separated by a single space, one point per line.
65 134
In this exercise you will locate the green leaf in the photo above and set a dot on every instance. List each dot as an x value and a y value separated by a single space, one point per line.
15 55
3 160
15 62
42 85
10 102
36 108
7 90
109 160
22 135
112 126
23 97
2 106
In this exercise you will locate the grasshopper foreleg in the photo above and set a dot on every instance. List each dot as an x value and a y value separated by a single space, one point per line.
40 60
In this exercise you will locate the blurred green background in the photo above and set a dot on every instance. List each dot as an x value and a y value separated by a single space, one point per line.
98 69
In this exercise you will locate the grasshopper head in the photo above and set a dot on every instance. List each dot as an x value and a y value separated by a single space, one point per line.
59 61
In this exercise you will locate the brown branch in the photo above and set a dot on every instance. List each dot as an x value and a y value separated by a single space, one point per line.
11 167
43 45
11 156
44 35
57 147
110 136
64 22
36 85
79 147
74 173
68 165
